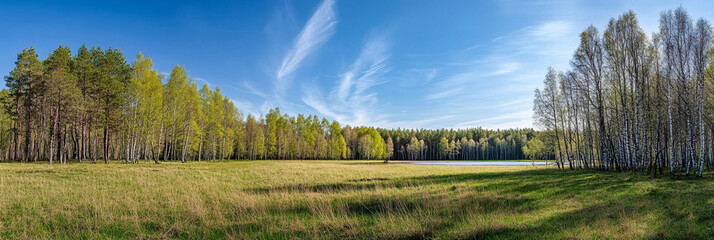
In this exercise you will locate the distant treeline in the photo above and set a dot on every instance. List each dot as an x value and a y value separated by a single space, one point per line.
633 102
462 144
94 106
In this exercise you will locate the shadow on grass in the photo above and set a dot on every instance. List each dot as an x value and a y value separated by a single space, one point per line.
315 188
523 182
623 204
628 204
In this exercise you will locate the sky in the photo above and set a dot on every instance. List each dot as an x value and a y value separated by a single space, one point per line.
389 64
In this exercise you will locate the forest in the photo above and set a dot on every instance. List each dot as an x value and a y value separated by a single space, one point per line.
98 145
630 102
94 106
633 102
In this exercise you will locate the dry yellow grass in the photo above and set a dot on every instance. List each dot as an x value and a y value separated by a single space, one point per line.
351 199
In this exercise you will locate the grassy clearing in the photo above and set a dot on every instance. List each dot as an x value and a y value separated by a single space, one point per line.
279 199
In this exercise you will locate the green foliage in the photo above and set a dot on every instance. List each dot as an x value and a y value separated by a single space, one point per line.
535 149
443 147
256 142
371 144
111 77
100 107
390 149
144 106
271 120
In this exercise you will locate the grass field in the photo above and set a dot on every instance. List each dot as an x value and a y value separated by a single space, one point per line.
365 200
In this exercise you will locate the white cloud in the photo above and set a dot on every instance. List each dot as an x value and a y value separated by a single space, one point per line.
201 81
550 30
316 32
443 94
350 101
431 74
505 68
249 87
519 101
313 100
460 79
243 106
501 82
471 48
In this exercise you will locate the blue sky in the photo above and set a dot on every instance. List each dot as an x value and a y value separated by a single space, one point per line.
409 64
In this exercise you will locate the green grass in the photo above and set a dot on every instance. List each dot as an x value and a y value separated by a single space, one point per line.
338 200
506 160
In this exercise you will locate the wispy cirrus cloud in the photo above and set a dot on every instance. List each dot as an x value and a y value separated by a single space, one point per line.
431 74
350 100
244 106
318 29
503 80
506 68
517 102
550 30
443 94
251 89
200 81
314 34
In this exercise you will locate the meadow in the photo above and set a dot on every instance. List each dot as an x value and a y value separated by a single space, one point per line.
346 200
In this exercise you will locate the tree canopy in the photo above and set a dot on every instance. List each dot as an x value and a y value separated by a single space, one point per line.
93 105
633 102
